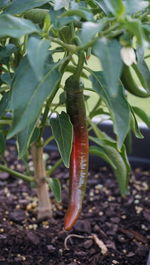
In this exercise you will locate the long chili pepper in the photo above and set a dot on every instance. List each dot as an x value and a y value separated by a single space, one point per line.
80 149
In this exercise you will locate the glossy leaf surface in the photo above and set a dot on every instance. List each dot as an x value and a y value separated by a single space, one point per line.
63 133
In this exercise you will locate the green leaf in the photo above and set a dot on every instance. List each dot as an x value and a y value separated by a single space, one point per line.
104 137
134 26
55 187
98 112
128 142
120 161
29 94
100 151
58 4
134 126
143 76
99 134
135 6
62 98
59 21
6 51
142 115
143 68
6 78
23 140
16 27
2 143
90 29
85 14
36 47
4 103
116 7
4 3
35 135
19 6
39 16
108 51
118 106
63 133
102 5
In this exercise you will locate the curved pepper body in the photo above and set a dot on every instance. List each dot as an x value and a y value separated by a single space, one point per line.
130 84
80 149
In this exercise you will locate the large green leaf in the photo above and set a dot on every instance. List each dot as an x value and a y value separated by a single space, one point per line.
4 103
116 7
6 51
134 125
135 6
19 6
23 139
57 21
81 13
58 4
4 3
36 47
55 187
143 69
108 51
143 75
102 5
98 112
107 139
100 151
118 106
16 27
29 94
63 133
6 78
61 17
90 29
118 159
142 115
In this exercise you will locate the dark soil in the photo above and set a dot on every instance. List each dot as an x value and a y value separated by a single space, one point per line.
121 224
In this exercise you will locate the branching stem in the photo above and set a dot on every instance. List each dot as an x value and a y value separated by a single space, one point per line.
16 174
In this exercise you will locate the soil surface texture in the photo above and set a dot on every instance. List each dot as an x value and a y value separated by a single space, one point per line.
111 230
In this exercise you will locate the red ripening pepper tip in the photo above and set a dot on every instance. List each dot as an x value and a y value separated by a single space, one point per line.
80 150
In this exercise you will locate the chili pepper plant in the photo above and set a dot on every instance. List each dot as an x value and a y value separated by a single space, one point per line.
48 52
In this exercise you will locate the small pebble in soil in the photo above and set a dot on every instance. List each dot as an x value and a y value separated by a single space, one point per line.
138 209
115 261
144 227
51 248
4 175
124 217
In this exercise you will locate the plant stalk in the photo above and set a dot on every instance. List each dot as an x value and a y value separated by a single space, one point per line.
45 207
